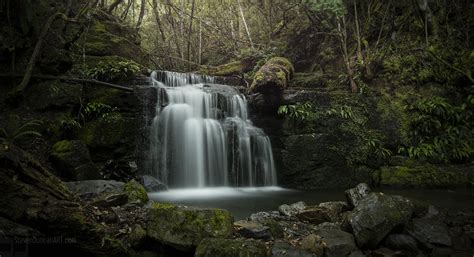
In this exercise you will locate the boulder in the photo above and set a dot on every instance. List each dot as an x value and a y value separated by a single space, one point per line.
356 194
336 243
152 184
430 232
120 170
314 215
376 215
135 192
335 209
313 244
292 209
111 200
213 247
330 225
270 81
283 249
73 161
183 228
251 229
401 242
357 254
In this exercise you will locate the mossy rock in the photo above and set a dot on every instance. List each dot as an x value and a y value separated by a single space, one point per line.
109 137
229 69
53 94
211 247
103 39
183 228
273 76
73 161
135 192
428 176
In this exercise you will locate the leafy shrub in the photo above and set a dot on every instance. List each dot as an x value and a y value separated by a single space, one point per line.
95 110
112 70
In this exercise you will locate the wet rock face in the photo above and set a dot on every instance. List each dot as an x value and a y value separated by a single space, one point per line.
212 247
183 228
376 215
152 184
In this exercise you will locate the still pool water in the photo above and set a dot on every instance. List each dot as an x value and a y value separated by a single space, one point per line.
244 201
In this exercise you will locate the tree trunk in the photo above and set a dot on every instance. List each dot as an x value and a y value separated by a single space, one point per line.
114 5
140 16
190 33
245 24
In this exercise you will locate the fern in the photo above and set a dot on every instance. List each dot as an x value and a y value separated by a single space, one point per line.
28 129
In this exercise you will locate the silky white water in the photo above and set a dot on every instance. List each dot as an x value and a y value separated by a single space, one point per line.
201 136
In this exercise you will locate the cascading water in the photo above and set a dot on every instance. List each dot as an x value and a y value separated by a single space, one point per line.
201 136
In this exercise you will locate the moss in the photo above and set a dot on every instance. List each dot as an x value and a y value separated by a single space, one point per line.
273 76
230 248
428 176
183 227
285 63
275 229
310 80
135 192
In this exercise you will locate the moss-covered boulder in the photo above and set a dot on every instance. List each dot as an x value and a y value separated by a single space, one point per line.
211 247
268 84
273 76
376 215
72 161
428 176
183 228
135 191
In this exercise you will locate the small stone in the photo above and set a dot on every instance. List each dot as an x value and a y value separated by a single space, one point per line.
313 243
336 242
292 209
251 229
314 215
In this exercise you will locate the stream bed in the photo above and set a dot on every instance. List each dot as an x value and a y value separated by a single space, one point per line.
242 202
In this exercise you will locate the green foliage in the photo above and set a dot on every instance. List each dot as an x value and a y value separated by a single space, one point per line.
110 71
298 112
11 136
95 110
329 7
442 131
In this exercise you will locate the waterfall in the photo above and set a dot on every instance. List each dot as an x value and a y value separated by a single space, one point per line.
201 136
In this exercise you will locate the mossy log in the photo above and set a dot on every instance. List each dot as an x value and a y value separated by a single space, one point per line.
273 77
229 69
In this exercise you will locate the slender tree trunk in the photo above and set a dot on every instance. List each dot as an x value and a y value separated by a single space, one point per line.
190 33
342 34
200 41
141 15
114 5
245 24
127 9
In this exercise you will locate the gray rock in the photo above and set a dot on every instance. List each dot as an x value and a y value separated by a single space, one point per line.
216 247
89 189
430 231
263 217
292 209
314 215
335 209
375 216
404 243
251 229
356 194
152 184
283 249
336 243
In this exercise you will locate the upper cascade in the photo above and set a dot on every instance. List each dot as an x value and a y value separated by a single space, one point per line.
201 136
